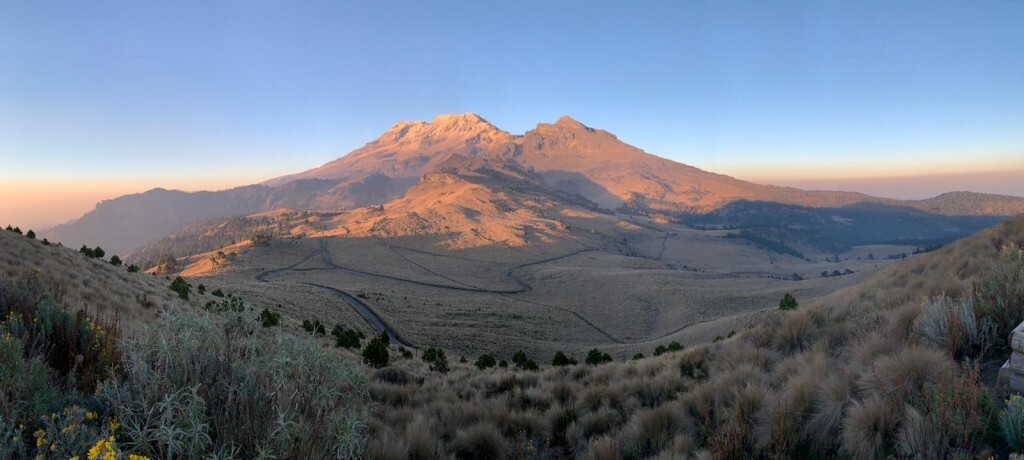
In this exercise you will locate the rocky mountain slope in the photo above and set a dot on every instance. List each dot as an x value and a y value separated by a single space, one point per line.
582 164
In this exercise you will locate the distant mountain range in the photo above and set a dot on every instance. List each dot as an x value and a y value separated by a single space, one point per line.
565 162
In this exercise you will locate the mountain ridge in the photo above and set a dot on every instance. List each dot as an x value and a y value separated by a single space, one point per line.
565 156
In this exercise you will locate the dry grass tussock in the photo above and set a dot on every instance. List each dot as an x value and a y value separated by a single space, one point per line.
869 372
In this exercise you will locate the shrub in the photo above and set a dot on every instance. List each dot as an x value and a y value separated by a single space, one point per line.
789 302
1011 420
485 361
31 235
671 348
954 326
595 357
561 359
133 268
217 293
406 354
481 440
346 338
182 287
201 289
269 318
503 364
46 242
437 359
87 251
1001 290
230 304
314 328
98 252
116 261
638 356
376 352
521 361
201 385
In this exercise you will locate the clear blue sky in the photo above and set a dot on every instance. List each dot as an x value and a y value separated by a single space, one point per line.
168 91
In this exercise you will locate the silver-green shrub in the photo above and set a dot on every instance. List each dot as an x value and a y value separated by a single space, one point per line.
1011 420
955 326
200 385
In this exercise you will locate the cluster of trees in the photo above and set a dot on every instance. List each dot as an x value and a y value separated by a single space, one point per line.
29 234
826 274
91 253
594 357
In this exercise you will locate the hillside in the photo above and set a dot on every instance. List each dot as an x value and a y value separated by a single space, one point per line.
863 373
589 164
92 284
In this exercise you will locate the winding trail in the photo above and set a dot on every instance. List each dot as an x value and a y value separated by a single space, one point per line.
381 326
377 323
370 316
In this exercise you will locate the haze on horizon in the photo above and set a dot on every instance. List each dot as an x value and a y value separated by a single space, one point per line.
98 100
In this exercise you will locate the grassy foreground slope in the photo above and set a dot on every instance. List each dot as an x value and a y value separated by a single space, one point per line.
889 368
187 383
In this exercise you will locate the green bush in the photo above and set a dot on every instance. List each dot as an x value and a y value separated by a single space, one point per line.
133 268
217 293
181 286
116 261
208 385
269 318
51 361
521 361
314 328
437 359
376 352
789 302
201 289
561 359
347 338
31 235
671 348
595 357
638 356
98 252
485 361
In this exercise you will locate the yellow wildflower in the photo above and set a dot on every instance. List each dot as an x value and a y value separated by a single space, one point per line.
53 447
137 457
90 416
74 458
113 424
103 450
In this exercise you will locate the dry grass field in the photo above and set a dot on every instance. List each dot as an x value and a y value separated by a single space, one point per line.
623 284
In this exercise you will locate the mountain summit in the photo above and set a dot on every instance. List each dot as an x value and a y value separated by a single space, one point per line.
565 161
